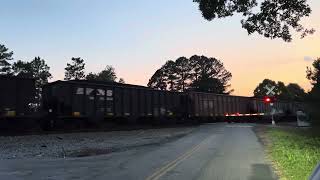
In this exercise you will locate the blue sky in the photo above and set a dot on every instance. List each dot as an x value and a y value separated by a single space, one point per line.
137 37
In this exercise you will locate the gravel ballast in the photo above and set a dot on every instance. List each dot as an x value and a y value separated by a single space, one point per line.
83 144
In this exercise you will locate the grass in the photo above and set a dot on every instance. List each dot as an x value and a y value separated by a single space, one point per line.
295 152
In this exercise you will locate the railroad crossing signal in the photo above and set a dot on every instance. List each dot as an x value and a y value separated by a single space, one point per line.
270 91
269 99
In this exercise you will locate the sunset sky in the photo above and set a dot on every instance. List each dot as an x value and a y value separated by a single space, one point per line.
137 37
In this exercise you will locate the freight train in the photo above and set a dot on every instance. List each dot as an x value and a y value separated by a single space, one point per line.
90 103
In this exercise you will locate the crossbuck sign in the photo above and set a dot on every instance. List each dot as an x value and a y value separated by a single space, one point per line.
270 91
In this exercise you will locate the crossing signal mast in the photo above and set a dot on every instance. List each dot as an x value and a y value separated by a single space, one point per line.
269 99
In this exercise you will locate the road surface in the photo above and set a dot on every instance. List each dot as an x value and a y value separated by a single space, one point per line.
212 151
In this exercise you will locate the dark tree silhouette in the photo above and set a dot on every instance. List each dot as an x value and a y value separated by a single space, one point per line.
91 76
209 75
296 92
40 71
37 69
22 69
313 98
5 57
198 73
165 77
261 91
274 19
108 74
75 70
208 85
171 77
182 68
158 80
290 92
283 91
313 73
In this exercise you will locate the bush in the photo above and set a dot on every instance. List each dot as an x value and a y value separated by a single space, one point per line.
314 112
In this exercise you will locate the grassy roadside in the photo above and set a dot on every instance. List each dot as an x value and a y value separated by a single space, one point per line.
294 152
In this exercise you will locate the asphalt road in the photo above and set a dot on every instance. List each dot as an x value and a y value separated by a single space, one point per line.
212 151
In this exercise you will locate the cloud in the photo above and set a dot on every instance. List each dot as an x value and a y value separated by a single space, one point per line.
307 58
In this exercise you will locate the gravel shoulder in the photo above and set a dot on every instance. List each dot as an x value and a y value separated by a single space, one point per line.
84 144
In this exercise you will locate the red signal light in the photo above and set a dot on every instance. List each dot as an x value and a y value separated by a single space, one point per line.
267 100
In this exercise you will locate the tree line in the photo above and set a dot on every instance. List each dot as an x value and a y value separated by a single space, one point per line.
76 71
197 73
39 70
292 91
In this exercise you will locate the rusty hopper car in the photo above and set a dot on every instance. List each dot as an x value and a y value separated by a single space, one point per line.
106 101
16 95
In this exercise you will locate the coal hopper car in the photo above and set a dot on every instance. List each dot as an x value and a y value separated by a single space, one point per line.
209 107
95 102
17 96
